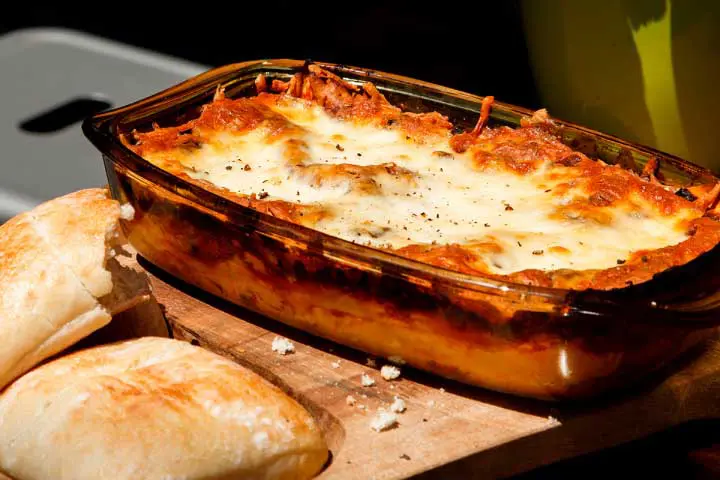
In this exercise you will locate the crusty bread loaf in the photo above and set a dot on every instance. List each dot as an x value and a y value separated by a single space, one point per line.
59 280
153 408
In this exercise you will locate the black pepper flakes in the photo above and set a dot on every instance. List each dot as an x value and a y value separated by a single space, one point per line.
228 167
508 208
538 252
644 259
686 194
247 168
404 456
519 244
359 154
620 261
262 195
340 147
487 225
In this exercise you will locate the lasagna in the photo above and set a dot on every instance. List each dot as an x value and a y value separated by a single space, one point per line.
515 204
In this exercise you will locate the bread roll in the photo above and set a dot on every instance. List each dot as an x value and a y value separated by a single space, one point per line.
59 279
153 408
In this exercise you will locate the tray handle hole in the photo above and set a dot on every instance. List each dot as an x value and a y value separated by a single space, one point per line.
63 115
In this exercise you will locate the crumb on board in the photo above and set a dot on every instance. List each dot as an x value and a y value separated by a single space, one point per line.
396 359
127 212
442 390
398 406
431 404
383 421
553 420
335 364
350 400
283 346
366 381
371 363
389 372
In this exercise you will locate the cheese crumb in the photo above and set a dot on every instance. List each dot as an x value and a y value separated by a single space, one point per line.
396 359
442 390
383 421
366 381
371 363
127 212
398 406
335 364
431 403
389 372
350 400
283 346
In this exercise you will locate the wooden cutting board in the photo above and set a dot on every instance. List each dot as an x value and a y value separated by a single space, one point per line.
448 430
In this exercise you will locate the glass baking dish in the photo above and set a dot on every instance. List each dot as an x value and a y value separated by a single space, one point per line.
544 343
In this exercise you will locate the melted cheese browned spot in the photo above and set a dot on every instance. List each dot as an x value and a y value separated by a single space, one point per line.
510 201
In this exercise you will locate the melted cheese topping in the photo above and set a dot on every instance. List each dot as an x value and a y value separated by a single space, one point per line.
431 195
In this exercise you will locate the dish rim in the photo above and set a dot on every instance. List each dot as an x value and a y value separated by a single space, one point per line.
102 130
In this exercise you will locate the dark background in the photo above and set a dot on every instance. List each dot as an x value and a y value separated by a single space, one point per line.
453 46
483 54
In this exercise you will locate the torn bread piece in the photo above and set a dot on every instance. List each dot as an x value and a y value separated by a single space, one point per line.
83 230
60 280
154 408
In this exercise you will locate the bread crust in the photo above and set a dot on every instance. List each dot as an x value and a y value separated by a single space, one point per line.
53 268
153 408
